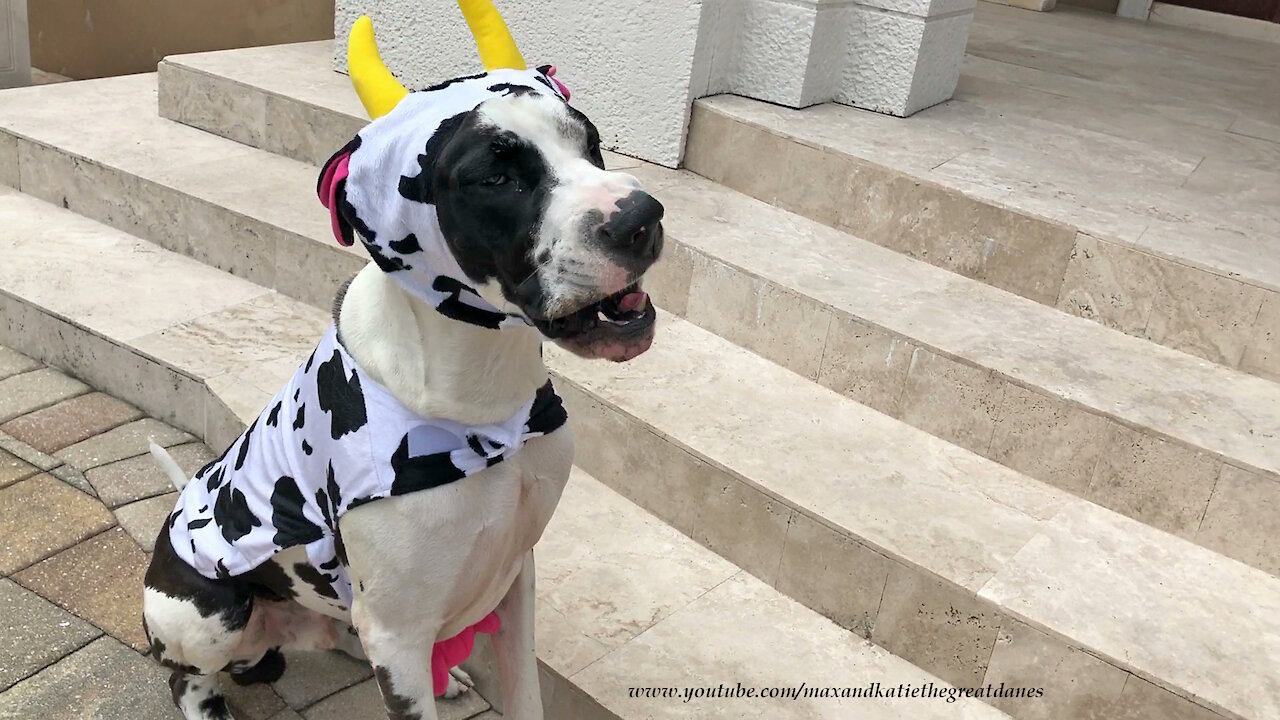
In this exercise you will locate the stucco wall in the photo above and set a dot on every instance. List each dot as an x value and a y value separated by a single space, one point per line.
630 65
97 38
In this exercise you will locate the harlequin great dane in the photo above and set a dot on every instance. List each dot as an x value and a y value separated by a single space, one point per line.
387 500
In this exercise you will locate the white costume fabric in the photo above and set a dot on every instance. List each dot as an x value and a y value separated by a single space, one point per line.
330 440
333 438
383 200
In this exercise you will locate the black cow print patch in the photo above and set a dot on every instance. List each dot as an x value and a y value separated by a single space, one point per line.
446 83
292 526
421 472
406 246
300 420
508 89
215 479
231 512
340 396
244 445
387 263
306 447
420 187
273 418
453 307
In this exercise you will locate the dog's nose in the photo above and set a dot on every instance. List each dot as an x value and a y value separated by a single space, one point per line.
635 226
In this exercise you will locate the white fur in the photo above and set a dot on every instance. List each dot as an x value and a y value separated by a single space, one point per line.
428 564
168 465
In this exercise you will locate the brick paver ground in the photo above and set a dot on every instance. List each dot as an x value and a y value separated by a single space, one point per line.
80 507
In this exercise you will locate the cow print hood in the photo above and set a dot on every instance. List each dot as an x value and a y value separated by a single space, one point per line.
332 439
367 187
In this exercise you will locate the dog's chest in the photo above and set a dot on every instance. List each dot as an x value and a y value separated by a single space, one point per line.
454 550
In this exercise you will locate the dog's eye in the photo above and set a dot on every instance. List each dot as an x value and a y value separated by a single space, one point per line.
496 180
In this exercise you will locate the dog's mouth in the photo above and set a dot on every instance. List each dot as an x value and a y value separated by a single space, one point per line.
618 327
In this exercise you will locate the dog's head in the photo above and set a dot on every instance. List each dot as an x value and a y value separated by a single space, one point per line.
488 196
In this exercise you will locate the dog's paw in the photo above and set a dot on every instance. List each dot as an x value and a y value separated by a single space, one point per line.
459 683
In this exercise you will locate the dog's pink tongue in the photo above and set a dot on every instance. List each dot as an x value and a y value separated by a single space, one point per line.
633 302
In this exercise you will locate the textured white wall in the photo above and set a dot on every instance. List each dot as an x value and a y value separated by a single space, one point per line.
629 65
634 67
891 56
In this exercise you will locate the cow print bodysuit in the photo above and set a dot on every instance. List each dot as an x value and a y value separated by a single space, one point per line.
330 440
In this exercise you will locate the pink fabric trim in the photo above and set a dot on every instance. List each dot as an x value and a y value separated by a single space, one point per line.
454 651
334 174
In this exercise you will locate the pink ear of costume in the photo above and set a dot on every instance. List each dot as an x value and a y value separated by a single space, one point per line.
453 651
331 180
551 73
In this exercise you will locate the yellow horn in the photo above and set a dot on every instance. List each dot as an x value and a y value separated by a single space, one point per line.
378 89
497 48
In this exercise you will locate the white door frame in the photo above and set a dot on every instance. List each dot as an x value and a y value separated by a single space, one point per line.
15 44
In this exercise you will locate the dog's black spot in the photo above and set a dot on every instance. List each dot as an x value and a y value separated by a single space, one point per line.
203 509
244 444
229 601
406 246
310 359
173 519
399 707
231 512
273 419
296 394
214 707
267 670
306 447
292 526
331 565
453 307
421 472
197 524
220 568
340 396
316 579
420 187
270 581
300 419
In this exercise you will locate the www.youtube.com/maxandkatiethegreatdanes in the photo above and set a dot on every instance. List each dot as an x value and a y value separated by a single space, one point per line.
928 691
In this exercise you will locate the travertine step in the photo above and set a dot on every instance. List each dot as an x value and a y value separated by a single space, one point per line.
1005 198
624 599
1173 441
961 566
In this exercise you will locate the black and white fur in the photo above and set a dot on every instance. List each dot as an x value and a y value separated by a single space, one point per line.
546 234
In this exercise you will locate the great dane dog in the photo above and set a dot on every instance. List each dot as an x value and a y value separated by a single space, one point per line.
387 500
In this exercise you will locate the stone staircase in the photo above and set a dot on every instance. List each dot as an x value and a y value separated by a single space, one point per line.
839 465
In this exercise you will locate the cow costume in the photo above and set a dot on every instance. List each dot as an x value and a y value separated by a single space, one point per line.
333 438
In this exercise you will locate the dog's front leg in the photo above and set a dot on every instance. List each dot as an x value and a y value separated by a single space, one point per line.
401 663
514 649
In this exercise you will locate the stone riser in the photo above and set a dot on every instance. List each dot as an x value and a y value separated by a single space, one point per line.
1112 459
1188 308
